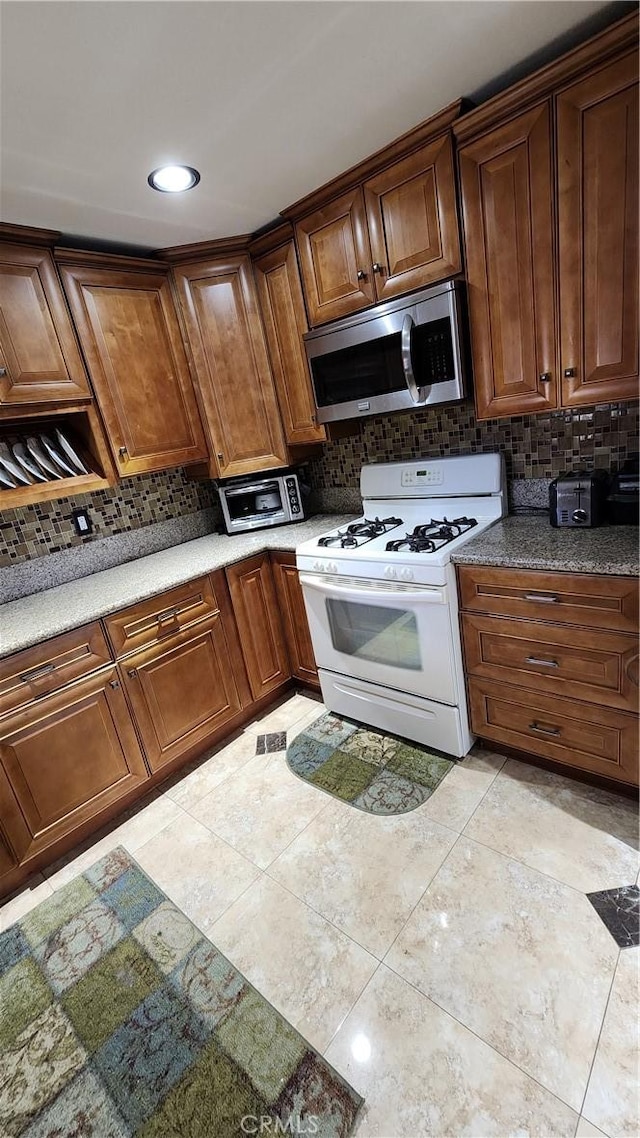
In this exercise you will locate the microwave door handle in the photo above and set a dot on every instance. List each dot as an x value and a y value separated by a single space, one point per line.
418 394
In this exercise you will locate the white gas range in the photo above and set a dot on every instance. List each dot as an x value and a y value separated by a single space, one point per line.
381 598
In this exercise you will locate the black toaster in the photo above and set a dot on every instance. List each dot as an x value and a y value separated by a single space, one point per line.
579 499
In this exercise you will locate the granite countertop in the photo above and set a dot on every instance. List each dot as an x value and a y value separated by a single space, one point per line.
533 543
29 620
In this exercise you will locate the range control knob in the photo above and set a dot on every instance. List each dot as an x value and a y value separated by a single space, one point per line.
331 567
318 566
407 574
390 572
579 515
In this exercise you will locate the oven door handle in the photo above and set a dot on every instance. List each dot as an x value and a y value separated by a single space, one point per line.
426 595
418 394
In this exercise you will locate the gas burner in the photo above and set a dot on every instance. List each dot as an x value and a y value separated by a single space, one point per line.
357 533
432 536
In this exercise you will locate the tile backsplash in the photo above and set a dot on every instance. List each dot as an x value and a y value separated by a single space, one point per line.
134 503
535 446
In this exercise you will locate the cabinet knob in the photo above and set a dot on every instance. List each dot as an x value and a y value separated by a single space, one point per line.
361 274
220 457
3 371
122 452
114 683
545 377
569 372
377 267
132 673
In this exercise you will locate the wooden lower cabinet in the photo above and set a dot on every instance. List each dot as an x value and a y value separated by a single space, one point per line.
182 692
552 665
64 759
294 618
255 605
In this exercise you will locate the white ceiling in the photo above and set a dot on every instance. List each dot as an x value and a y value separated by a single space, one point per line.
268 100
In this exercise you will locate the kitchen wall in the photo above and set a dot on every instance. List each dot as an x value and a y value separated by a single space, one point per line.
133 505
535 446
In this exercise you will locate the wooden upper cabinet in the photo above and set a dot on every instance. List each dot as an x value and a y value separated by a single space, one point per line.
39 357
597 121
285 321
130 335
227 340
335 258
413 221
507 186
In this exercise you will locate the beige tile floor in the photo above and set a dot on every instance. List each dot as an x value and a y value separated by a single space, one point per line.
446 961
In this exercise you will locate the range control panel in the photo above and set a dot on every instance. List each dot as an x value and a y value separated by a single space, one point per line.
427 476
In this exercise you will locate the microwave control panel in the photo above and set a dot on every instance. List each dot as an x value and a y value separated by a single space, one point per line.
292 492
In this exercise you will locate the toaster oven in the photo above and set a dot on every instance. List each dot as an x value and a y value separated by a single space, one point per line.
256 501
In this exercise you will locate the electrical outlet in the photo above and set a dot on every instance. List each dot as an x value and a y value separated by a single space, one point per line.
82 522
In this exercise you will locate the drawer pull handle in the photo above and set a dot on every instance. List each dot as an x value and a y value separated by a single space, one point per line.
545 730
543 663
35 673
168 614
549 599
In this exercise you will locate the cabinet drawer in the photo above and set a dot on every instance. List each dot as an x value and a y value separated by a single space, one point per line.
36 671
564 598
600 667
589 738
151 621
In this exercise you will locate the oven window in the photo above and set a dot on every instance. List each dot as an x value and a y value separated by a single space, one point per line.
371 632
375 367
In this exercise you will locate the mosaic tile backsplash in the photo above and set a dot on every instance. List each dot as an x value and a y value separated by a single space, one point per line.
47 527
534 446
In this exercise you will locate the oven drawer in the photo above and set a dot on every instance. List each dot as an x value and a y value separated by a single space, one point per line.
600 667
45 667
564 598
589 738
153 620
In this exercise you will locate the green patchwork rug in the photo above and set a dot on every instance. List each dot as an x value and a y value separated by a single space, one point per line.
119 1018
376 772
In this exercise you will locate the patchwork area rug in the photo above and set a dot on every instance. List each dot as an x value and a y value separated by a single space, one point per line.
119 1018
376 772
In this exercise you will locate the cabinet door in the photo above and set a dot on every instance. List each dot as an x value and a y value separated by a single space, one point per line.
335 258
507 185
257 614
285 321
231 364
413 221
64 759
598 235
294 618
130 335
183 691
39 358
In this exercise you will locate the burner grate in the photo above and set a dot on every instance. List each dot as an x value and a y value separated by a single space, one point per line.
431 536
358 533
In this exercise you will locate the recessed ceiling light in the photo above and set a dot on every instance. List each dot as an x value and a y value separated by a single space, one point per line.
173 179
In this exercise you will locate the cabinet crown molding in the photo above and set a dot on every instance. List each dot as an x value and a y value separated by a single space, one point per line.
28 234
593 53
205 250
89 257
272 238
411 140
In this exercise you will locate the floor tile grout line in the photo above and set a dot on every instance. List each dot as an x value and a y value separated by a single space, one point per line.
492 1046
595 1050
231 774
347 1014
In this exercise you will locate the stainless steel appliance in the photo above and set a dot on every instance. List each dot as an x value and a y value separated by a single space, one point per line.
579 499
255 501
380 594
623 503
402 354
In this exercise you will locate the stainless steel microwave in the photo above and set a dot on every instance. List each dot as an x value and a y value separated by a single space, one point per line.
403 354
255 501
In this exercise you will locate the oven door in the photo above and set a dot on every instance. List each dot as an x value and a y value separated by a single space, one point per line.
396 635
